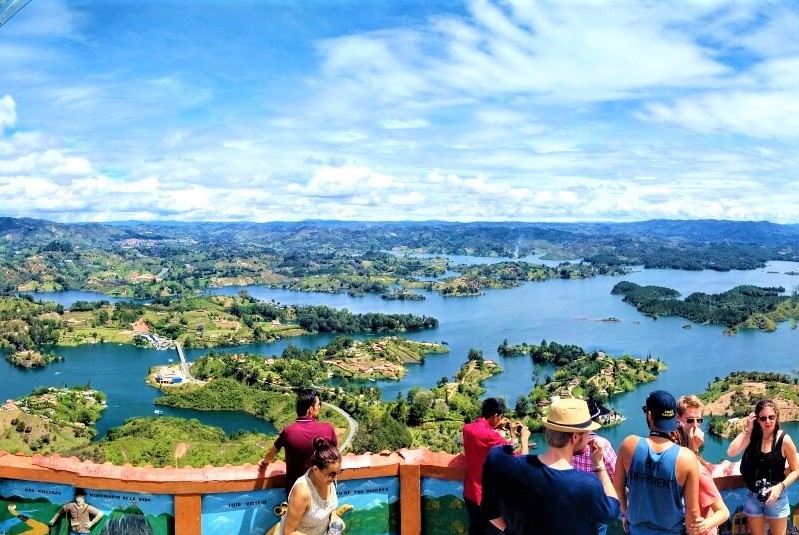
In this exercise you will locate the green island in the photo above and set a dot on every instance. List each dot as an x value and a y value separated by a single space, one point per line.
50 420
473 279
743 307
217 321
402 295
730 399
578 374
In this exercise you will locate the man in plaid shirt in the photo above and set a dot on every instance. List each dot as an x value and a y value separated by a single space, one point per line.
583 461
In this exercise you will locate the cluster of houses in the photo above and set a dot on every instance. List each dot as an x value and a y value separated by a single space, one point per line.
44 405
158 342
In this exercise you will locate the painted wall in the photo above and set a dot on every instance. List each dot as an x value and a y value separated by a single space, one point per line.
26 507
368 506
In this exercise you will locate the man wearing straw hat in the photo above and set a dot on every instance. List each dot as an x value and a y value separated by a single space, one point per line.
544 493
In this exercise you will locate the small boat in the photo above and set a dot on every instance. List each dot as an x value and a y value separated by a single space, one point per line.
158 411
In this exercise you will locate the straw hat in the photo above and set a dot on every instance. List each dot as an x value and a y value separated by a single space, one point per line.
570 415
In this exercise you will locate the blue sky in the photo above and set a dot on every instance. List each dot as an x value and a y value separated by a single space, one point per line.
400 110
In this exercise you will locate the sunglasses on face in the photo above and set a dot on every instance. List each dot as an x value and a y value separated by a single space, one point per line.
334 474
770 417
694 420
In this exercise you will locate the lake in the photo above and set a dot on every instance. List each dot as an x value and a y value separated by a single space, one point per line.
566 311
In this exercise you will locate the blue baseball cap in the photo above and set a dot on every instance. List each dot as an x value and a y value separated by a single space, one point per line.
663 407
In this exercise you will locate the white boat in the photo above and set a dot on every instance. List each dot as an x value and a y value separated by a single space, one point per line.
158 411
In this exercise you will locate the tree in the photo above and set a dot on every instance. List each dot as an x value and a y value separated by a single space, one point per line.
522 408
420 402
476 355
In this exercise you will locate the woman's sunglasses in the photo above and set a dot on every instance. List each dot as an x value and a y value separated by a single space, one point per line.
334 474
769 417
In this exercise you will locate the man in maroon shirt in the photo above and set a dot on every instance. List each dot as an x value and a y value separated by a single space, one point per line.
297 438
478 438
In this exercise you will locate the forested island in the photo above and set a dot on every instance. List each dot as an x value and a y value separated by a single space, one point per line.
579 374
743 307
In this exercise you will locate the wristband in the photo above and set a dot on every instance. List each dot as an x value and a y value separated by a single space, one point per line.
598 468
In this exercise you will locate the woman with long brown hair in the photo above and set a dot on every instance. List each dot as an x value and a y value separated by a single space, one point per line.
766 448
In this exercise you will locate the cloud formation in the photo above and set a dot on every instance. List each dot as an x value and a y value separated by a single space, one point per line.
486 110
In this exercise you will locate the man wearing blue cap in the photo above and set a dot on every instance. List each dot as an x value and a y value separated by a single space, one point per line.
654 476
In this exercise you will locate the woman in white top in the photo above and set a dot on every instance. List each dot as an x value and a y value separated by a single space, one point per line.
312 498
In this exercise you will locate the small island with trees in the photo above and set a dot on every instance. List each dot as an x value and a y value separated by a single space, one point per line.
578 374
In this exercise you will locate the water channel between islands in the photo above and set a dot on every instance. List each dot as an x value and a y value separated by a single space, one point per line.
566 311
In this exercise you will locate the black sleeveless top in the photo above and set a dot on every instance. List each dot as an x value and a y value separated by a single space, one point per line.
758 465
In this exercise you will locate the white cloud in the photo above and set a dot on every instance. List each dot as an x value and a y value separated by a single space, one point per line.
502 110
398 124
342 181
8 113
411 198
763 114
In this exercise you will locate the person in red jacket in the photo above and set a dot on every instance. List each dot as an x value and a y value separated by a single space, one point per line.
478 438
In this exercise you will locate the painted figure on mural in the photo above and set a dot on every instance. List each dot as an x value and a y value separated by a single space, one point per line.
82 516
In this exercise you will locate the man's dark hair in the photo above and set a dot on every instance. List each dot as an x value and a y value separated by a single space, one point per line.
80 492
305 400
492 406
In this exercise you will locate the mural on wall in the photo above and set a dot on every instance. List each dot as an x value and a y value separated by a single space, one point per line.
243 513
368 506
30 508
443 509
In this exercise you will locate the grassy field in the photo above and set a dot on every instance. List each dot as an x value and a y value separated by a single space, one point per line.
37 435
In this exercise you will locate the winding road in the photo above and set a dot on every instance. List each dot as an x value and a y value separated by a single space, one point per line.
350 420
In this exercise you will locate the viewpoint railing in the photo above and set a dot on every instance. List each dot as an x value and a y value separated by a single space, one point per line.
405 492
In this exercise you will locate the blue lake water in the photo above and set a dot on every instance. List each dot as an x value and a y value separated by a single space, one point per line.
567 311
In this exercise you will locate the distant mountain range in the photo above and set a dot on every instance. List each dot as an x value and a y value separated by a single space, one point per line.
27 230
